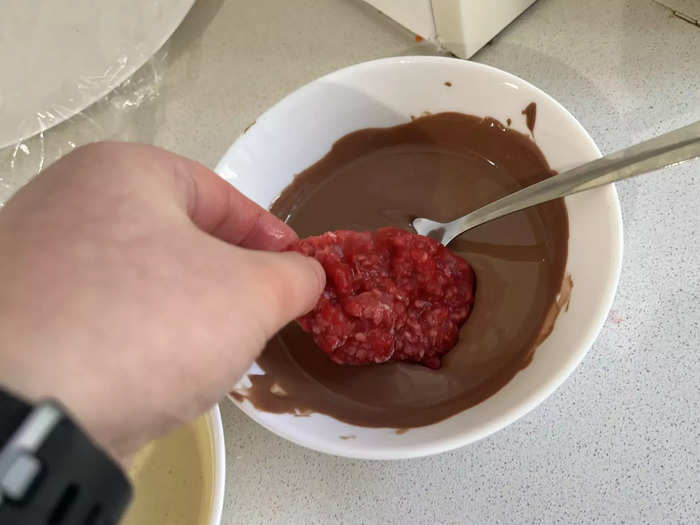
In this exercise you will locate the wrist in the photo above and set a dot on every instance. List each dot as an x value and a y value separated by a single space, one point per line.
50 468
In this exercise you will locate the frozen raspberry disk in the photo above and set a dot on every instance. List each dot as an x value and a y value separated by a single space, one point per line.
390 295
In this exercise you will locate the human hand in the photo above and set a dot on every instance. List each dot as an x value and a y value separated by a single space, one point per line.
137 287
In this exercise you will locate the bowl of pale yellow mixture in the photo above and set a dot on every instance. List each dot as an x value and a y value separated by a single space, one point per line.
179 479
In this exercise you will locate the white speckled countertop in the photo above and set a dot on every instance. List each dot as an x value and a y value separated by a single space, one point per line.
619 442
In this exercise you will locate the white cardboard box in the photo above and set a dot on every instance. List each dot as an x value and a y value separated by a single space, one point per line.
459 26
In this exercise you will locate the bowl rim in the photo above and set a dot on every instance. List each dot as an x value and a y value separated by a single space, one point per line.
216 429
545 389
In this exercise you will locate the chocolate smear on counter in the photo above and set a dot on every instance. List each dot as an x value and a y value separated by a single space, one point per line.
439 166
530 113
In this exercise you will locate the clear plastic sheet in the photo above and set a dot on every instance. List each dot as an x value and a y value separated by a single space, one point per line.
63 67
114 117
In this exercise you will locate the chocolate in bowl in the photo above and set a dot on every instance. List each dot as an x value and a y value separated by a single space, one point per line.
439 166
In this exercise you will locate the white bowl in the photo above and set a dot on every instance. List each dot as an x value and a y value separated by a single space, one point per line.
300 129
163 473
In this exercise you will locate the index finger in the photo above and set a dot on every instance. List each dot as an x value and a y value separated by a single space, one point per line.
216 207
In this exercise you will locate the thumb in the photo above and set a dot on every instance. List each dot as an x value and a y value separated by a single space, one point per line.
289 285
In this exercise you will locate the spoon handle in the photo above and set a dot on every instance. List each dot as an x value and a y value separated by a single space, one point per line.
665 150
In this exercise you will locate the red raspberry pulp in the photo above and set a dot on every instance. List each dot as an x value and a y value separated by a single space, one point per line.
390 295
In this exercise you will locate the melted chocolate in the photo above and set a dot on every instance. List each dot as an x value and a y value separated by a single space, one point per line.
530 113
440 166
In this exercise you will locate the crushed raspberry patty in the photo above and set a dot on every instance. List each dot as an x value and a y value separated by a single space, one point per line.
390 295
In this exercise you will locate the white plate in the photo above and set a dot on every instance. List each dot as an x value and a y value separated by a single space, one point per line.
301 128
59 56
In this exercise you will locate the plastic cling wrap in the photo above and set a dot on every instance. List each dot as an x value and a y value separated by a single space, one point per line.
76 72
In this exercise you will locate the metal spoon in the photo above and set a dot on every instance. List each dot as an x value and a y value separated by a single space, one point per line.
665 150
